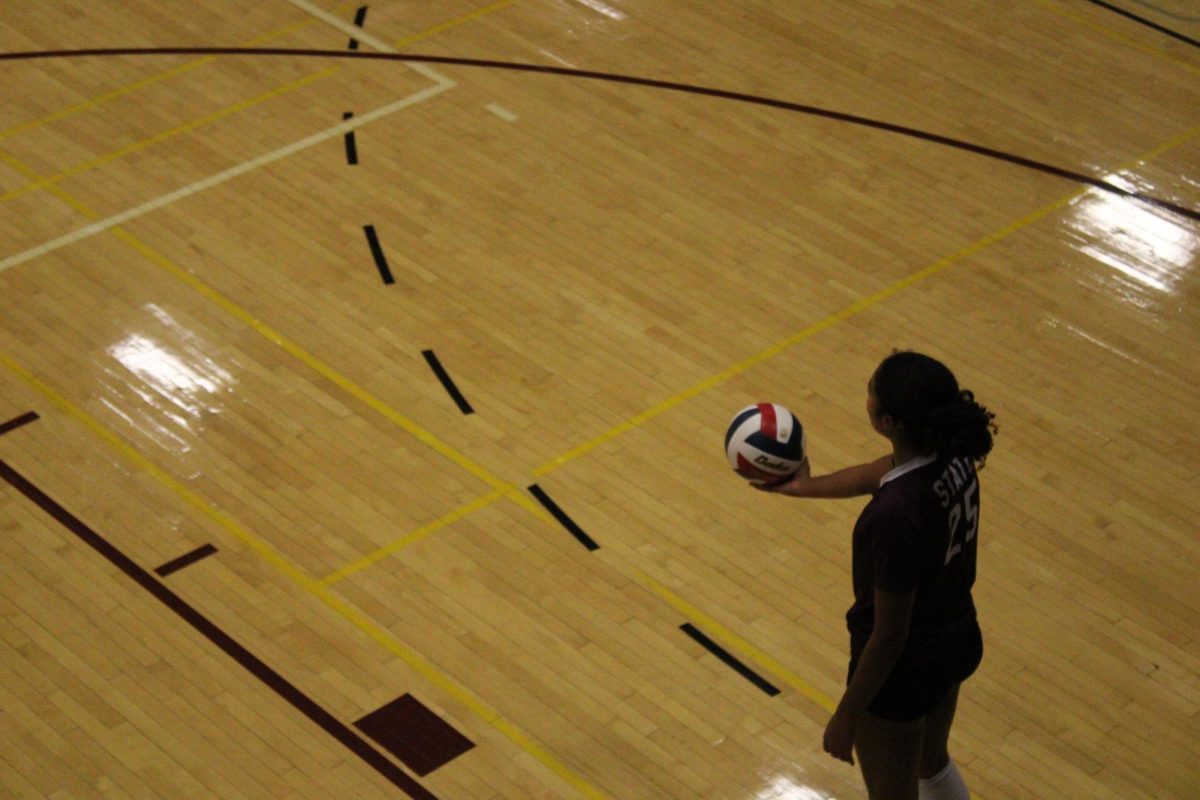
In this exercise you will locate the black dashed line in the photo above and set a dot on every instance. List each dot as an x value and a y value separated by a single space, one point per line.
377 251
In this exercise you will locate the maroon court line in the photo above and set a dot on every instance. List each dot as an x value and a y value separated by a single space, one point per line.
185 560
653 83
17 422
1147 22
272 679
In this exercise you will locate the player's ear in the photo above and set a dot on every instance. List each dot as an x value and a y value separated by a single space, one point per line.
888 424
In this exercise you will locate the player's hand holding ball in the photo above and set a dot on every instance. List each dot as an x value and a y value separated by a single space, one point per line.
794 486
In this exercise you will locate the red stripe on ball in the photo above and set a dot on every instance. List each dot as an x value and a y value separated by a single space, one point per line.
769 423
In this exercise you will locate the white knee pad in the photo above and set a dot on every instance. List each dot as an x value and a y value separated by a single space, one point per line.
946 785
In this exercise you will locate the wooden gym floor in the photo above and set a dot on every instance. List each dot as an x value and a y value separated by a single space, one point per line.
253 545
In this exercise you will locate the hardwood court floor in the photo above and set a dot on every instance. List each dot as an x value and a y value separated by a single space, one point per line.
219 356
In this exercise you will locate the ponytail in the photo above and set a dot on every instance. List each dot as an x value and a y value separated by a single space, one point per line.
963 428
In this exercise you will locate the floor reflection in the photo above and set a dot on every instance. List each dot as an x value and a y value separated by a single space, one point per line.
782 787
1148 248
176 380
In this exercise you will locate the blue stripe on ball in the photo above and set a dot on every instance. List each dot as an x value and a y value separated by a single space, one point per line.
792 449
737 421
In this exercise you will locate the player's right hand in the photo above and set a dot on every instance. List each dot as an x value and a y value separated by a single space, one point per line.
793 486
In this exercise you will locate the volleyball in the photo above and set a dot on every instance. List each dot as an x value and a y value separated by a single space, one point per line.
765 442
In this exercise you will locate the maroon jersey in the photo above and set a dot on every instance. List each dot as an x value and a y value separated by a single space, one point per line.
918 532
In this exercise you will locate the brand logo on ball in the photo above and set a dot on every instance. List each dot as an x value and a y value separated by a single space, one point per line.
781 466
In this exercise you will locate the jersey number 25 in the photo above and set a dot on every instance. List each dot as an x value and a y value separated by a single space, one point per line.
965 510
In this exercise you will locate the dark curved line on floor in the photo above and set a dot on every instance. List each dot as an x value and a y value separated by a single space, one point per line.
1148 22
652 83
1166 13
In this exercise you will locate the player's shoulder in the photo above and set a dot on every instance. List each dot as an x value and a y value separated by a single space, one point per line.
906 496
896 504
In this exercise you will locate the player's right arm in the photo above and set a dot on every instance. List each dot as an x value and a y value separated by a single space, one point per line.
853 481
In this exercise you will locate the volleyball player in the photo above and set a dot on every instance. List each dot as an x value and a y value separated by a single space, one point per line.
913 632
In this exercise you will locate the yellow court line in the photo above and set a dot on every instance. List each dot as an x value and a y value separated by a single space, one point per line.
1054 8
454 23
120 91
846 313
314 587
44 182
420 533
1166 146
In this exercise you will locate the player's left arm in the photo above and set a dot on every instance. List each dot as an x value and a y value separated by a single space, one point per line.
853 481
893 614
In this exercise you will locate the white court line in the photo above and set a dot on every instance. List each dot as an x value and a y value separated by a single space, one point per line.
222 177
501 112
358 33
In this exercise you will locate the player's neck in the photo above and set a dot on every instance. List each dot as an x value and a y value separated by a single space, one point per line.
902 453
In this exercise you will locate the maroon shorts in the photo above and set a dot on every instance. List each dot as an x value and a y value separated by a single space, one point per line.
911 692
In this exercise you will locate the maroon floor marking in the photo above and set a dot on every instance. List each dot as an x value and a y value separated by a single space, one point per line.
185 560
1143 21
414 734
276 682
17 422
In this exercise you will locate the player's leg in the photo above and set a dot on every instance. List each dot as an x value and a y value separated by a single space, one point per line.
888 753
935 740
939 777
